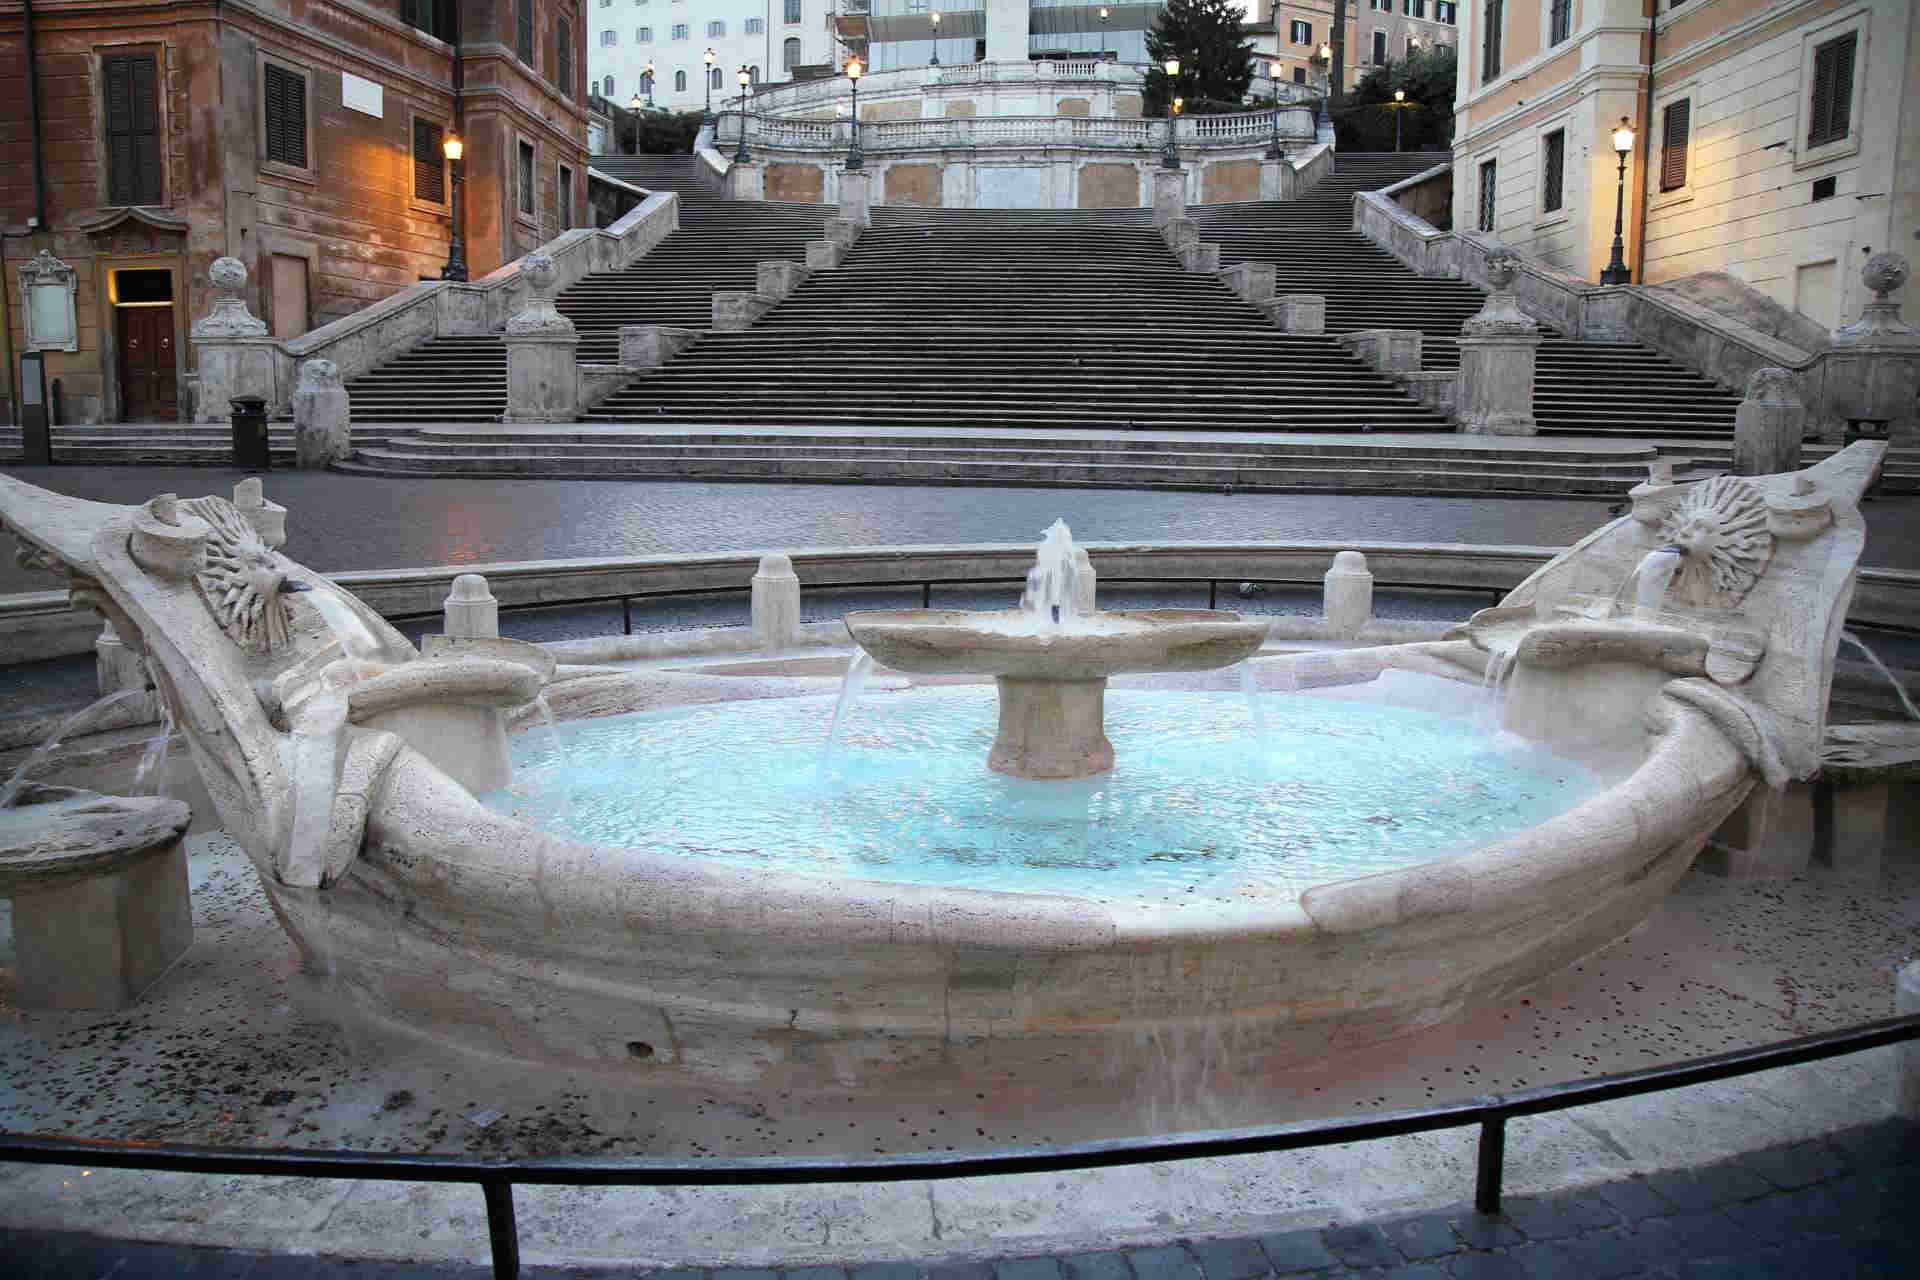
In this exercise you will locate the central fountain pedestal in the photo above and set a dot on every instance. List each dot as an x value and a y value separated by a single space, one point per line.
1051 728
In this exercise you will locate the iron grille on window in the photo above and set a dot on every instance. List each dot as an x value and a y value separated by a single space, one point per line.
526 178
1299 75
133 135
1487 175
429 175
563 56
1490 41
523 31
714 80
1554 163
608 39
1560 21
792 11
1832 114
679 82
286 103
1675 134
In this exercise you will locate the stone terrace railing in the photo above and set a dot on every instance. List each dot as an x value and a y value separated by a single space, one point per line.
1240 130
877 85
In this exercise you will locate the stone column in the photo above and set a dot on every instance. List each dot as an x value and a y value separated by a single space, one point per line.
543 373
854 202
1873 371
1169 195
470 611
1769 424
1906 1001
322 433
1494 389
235 355
1348 595
776 603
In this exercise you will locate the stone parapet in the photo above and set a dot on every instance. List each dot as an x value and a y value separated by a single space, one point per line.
775 279
1387 350
649 346
1169 196
734 310
1250 281
1303 313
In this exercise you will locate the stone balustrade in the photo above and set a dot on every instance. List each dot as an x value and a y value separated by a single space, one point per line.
1248 129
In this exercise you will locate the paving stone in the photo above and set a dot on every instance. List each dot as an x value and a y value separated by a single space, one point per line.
1556 1217
1296 1252
1760 1222
813 1273
1607 1255
1170 1262
1029 1269
746 1273
1428 1236
1240 1259
1095 1266
1892 1141
945 1271
887 1271
1546 1261
1360 1245
1801 1165
1708 1233
1709 1186
1416 1271
1633 1198
1485 1266
1485 1232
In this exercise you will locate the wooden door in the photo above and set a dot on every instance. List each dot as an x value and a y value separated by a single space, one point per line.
148 380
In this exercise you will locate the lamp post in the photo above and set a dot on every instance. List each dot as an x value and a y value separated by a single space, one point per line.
633 106
855 160
709 57
1104 15
1276 151
1616 272
934 59
1400 103
1170 157
456 267
1325 60
646 82
745 78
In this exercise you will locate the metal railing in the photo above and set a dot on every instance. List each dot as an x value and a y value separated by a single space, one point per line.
497 1178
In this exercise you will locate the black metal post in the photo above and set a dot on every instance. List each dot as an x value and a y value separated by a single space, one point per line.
1170 155
740 155
706 112
1396 129
502 1232
456 264
1492 1165
933 59
1616 272
36 420
856 159
1276 151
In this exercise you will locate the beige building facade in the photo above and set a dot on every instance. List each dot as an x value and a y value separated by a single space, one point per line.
1378 32
1777 141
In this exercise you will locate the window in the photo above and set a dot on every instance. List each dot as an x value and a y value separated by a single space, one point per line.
1559 22
284 98
1831 117
1487 175
756 26
790 53
714 78
1300 32
1490 41
1382 6
435 17
643 36
429 162
563 56
1415 8
679 82
1299 75
679 31
523 31
1379 48
608 39
1446 11
606 87
606 4
792 12
716 28
1824 188
133 133
1553 166
566 197
526 179
753 74
1676 128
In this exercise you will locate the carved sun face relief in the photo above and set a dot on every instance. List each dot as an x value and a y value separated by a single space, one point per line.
241 579
1722 527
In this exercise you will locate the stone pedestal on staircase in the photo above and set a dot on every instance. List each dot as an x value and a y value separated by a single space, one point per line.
1873 370
543 372
322 418
1769 425
1169 195
236 356
1494 389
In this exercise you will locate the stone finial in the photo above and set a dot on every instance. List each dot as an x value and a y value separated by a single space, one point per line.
1347 595
539 316
470 611
1773 385
1501 314
775 603
1503 268
1884 273
269 519
1879 323
229 317
319 374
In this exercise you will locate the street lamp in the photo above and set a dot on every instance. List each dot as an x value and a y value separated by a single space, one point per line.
646 81
1276 151
1170 158
1616 272
934 60
456 265
709 57
855 160
745 78
634 107
1103 32
1324 58
1399 100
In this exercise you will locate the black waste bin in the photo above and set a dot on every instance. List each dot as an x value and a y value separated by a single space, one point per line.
250 433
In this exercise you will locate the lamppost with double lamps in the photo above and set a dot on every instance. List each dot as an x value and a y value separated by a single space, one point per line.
709 57
934 60
456 265
855 159
633 108
1103 32
1170 157
1616 272
745 78
1276 151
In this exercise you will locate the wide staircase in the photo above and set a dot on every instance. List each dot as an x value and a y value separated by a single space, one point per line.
464 379
1580 388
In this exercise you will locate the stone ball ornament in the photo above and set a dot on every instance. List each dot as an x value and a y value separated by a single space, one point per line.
228 273
538 271
1885 272
1503 268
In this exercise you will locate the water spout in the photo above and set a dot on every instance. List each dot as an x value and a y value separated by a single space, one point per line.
1250 688
356 641
1052 593
155 752
1884 670
858 668
1650 580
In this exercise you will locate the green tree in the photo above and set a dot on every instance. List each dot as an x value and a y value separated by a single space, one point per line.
1363 122
1215 63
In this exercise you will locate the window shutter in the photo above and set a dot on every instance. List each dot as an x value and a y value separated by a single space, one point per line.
286 113
523 35
1490 42
563 56
429 175
1831 118
1677 128
133 141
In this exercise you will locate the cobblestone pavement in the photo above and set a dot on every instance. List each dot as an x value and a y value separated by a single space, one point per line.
1839 1208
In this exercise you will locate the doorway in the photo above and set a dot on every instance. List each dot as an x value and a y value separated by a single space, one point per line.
143 328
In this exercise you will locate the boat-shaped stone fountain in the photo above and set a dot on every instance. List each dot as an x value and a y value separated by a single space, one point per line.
347 764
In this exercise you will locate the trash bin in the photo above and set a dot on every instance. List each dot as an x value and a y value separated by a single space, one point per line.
250 433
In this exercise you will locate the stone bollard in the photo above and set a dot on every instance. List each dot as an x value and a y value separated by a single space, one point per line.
1304 313
1493 393
1769 425
776 603
775 278
470 612
1906 1002
235 354
1873 370
1347 595
543 371
649 346
1085 582
1169 195
1252 281
855 192
322 431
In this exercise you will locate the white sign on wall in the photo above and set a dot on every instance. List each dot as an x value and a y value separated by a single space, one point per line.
363 96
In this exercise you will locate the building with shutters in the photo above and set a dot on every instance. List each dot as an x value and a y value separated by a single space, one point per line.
304 137
1777 141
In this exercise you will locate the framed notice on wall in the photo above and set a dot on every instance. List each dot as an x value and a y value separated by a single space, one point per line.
363 96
